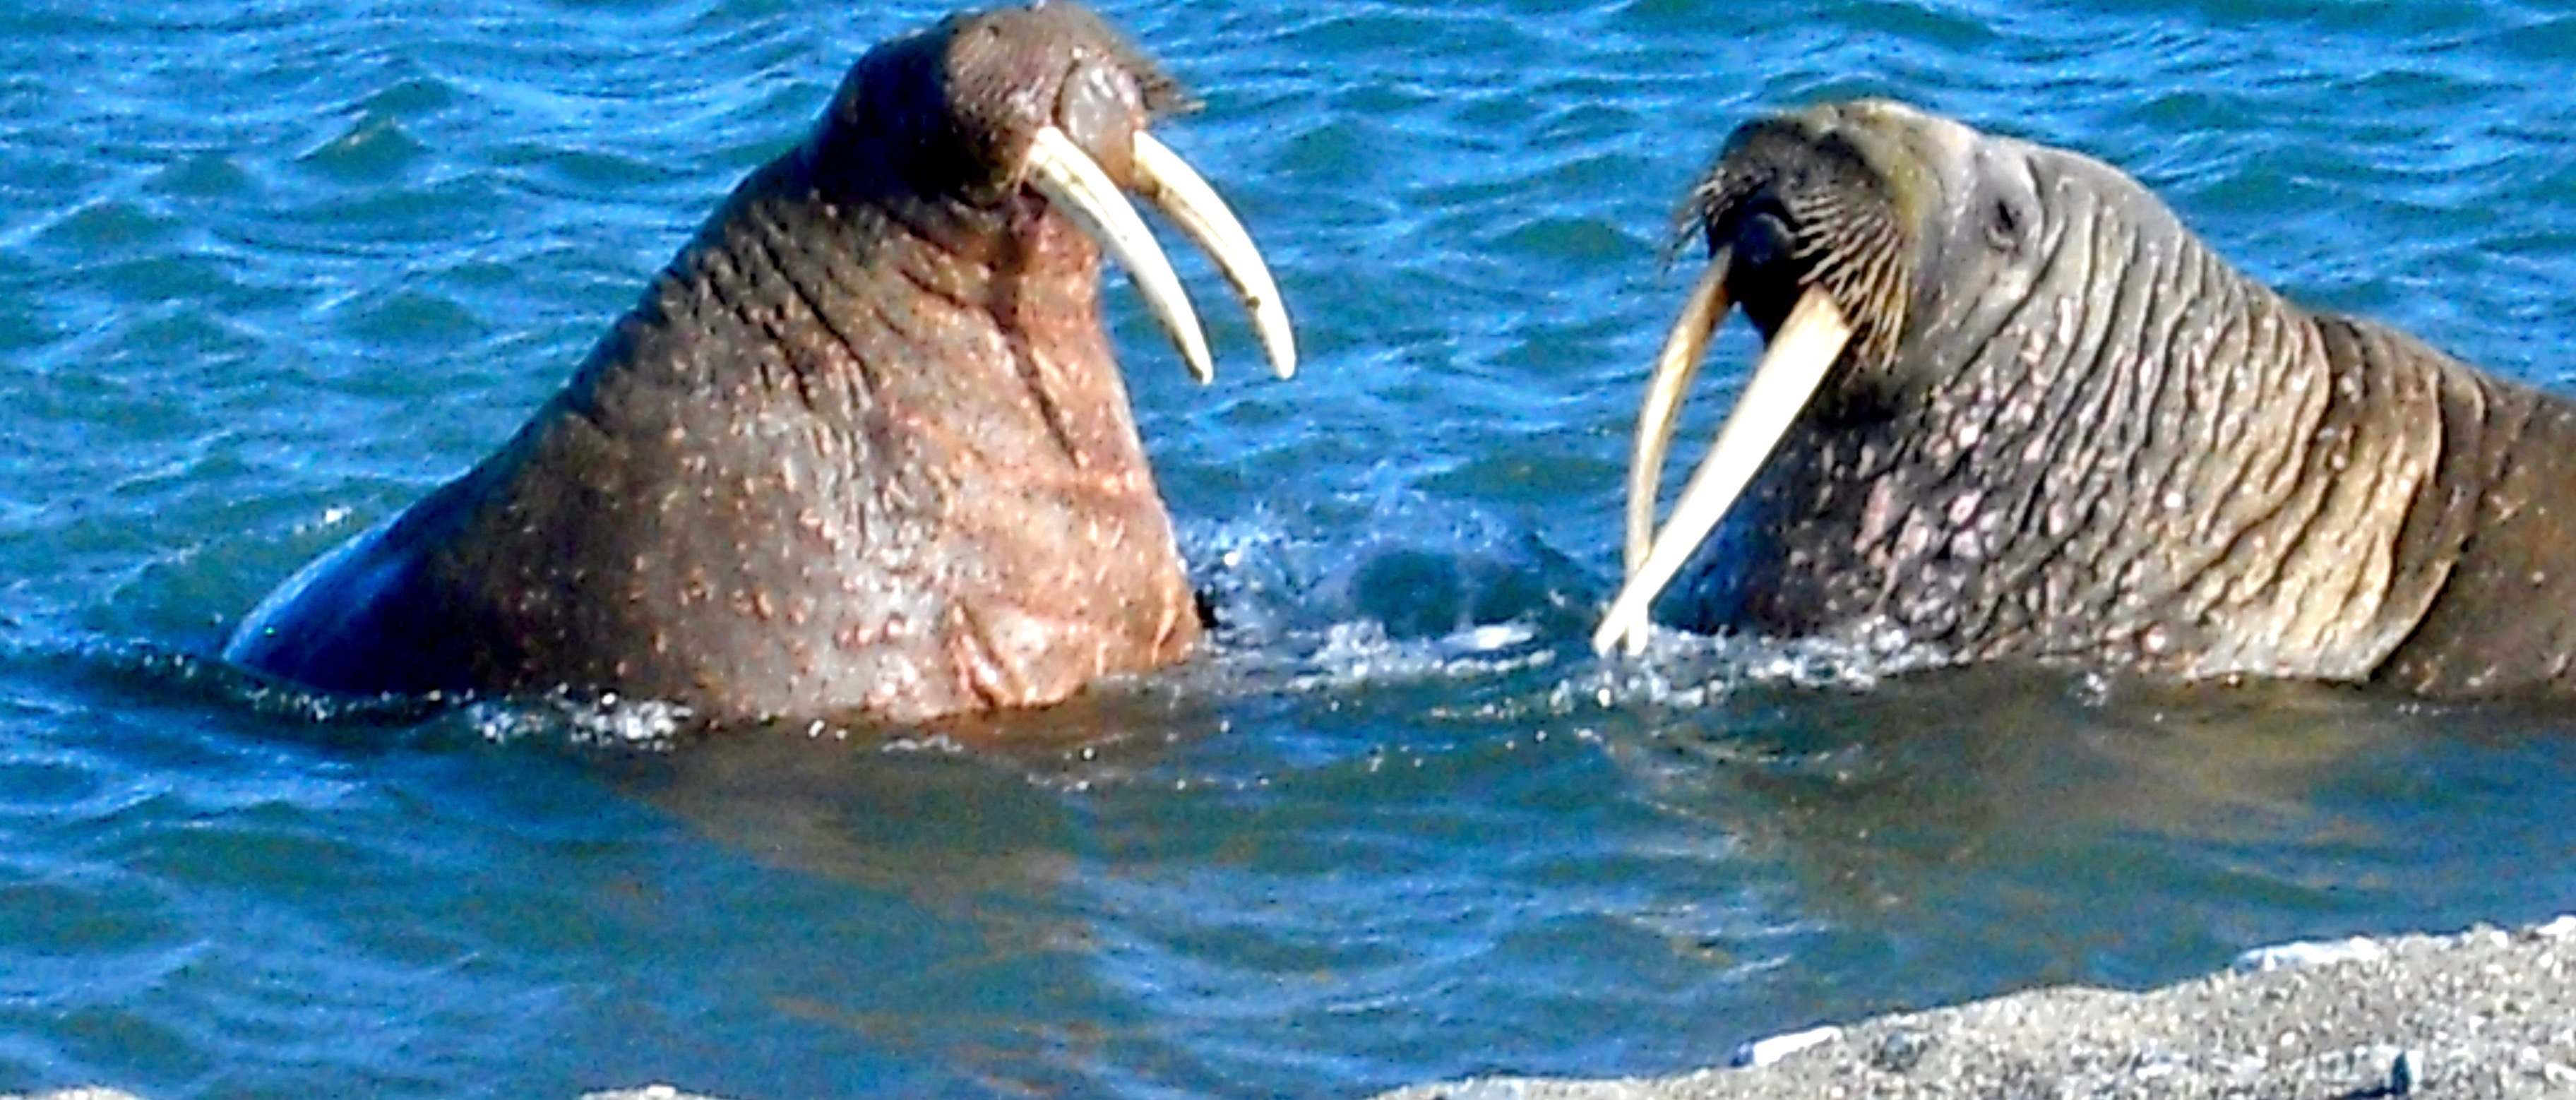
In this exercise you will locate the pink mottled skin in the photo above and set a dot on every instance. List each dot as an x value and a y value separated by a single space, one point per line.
861 451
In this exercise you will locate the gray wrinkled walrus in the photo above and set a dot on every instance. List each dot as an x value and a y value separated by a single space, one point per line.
862 448
2012 407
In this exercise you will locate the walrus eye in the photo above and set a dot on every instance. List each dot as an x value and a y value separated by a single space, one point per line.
2003 227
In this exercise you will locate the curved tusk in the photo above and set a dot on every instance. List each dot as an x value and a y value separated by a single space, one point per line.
1075 183
1674 369
1791 368
1168 182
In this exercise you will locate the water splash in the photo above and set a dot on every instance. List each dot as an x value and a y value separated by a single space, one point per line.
606 721
1414 590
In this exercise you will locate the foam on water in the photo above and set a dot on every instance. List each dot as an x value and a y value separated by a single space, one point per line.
1456 599
605 721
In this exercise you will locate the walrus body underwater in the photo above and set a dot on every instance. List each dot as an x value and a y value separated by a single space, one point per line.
861 450
2021 412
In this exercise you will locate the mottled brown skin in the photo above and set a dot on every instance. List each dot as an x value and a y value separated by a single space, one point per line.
862 449
2066 430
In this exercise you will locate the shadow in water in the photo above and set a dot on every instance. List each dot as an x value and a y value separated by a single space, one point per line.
1962 831
970 835
946 813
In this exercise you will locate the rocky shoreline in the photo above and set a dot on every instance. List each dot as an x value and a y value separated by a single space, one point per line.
2481 1014
2485 1014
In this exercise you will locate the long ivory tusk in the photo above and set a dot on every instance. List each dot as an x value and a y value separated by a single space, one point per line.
1674 369
1168 182
1075 183
1791 368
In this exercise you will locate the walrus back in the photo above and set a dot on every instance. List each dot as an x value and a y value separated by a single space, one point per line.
2503 502
362 619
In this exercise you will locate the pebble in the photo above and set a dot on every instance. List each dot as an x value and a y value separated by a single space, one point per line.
2303 953
2485 1014
1764 1052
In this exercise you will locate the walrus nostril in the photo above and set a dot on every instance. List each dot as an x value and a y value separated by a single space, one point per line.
1765 240
1772 265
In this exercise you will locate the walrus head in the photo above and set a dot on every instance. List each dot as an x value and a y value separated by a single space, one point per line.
1816 223
861 449
987 106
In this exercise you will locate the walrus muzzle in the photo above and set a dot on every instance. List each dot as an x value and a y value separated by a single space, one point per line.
2010 407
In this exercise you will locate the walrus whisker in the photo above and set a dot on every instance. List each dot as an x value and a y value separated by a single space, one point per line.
1076 184
1173 187
1675 367
1801 353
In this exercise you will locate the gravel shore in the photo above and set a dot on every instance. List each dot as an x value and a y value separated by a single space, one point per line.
2478 1015
2486 1013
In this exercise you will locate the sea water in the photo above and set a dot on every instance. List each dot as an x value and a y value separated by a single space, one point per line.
270 270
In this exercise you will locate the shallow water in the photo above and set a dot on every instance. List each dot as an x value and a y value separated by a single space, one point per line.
273 270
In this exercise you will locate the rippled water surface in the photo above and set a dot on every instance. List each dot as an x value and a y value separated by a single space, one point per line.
269 271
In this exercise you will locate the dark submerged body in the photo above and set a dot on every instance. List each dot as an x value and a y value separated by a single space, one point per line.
2066 430
861 449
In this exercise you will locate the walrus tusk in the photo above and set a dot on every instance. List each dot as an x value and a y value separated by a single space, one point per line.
1791 368
1674 369
1075 183
1169 183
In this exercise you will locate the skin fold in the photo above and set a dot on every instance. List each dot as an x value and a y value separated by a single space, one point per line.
861 450
2063 429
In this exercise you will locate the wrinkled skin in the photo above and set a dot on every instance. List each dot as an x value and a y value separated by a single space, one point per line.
2067 430
861 450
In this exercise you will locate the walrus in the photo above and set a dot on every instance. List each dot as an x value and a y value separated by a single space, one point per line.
2009 406
861 450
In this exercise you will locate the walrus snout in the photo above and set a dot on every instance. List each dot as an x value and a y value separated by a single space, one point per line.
1006 73
1815 241
1048 97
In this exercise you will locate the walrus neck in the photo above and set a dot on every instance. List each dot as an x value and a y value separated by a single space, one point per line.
2125 472
880 306
919 458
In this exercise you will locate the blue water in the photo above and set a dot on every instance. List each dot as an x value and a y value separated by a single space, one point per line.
270 270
